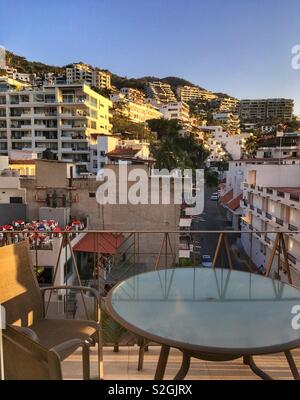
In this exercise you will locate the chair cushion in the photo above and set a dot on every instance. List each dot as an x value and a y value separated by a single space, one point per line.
52 332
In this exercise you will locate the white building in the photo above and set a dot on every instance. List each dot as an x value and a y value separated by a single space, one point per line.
176 110
80 72
232 121
64 118
194 93
223 144
160 91
271 202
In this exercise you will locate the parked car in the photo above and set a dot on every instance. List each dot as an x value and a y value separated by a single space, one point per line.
206 261
214 197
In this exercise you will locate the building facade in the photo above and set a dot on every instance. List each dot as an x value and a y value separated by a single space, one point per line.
64 118
193 93
81 72
266 109
176 110
160 91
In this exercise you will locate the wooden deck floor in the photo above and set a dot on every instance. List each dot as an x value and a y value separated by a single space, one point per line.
123 365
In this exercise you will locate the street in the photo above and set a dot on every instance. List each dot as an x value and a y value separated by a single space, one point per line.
213 219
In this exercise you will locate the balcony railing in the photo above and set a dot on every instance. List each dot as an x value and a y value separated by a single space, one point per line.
259 211
279 221
293 227
268 215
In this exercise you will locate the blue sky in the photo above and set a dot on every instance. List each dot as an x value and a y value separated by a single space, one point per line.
242 47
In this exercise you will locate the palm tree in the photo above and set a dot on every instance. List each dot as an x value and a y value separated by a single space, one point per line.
250 146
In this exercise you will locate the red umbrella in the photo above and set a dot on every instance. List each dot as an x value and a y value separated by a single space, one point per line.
8 227
76 222
57 229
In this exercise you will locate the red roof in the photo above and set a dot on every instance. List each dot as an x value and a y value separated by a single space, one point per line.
106 243
21 162
234 204
227 197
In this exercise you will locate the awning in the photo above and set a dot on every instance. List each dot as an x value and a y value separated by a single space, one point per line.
234 204
105 243
227 197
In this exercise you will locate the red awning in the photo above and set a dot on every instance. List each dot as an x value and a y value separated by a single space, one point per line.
227 197
105 243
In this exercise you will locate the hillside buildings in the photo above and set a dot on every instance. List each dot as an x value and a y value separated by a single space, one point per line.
134 95
64 118
80 72
194 93
228 104
135 111
224 146
230 120
176 110
160 91
266 109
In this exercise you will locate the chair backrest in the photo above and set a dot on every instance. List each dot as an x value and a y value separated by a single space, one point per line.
25 359
19 290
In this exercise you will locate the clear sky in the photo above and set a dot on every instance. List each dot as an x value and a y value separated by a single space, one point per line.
242 47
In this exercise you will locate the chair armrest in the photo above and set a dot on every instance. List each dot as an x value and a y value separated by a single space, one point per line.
28 332
78 288
69 346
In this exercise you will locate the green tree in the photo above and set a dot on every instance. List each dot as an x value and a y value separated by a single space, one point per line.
250 146
131 129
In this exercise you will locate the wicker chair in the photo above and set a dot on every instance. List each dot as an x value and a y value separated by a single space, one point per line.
26 359
23 301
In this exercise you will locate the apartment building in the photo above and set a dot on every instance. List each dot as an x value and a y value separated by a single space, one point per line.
223 145
134 95
194 93
63 118
135 111
282 145
80 72
161 92
266 109
225 104
112 149
271 203
176 110
230 120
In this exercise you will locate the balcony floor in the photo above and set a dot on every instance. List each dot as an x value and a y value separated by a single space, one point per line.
123 365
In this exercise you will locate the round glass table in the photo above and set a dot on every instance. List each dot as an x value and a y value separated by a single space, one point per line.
210 314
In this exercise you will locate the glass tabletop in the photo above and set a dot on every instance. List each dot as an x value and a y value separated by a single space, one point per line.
208 310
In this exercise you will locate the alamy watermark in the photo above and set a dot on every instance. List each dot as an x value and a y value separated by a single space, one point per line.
295 63
136 186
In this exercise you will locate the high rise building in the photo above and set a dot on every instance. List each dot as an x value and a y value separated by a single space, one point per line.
81 72
160 91
63 118
266 109
194 93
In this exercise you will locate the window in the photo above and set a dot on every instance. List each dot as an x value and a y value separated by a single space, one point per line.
92 195
16 200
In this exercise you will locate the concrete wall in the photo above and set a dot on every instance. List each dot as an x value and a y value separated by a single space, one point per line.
12 212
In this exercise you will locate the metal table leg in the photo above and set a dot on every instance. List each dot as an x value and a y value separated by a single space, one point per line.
248 360
292 364
185 366
162 362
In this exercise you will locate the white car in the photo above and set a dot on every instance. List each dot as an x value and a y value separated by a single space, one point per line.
206 261
214 197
